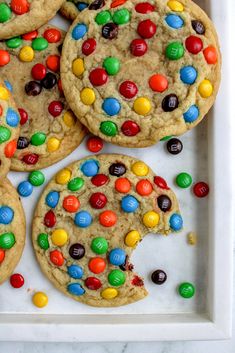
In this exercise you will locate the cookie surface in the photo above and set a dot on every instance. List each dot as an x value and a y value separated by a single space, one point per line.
70 9
135 72
21 16
49 130
90 218
12 229
9 128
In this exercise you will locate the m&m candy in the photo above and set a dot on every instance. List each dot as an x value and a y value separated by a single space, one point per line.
186 290
40 299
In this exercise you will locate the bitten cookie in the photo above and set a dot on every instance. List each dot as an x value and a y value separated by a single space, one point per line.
12 229
135 72
90 218
9 128
49 130
20 16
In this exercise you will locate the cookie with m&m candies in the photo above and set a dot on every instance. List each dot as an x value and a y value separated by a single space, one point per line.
12 229
9 126
141 70
91 217
22 16
49 129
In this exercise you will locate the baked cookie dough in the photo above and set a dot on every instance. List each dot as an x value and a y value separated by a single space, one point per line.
70 9
135 72
12 229
49 130
90 218
21 16
9 128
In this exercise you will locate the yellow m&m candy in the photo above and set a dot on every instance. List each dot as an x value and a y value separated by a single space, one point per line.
69 119
4 94
140 169
26 54
63 176
142 106
205 89
78 67
151 219
53 144
59 237
40 299
87 96
109 293
132 238
175 5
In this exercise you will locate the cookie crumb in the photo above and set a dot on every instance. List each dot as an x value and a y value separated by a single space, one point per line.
192 238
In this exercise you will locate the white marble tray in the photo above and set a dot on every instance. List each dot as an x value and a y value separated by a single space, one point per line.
163 315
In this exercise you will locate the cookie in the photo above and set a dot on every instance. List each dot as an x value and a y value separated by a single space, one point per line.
49 130
12 229
70 9
135 72
90 218
21 16
9 128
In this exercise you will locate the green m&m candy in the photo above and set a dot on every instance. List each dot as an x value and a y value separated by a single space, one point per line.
175 51
7 240
36 178
5 13
166 138
14 43
103 17
184 180
5 134
43 241
111 65
38 139
116 278
186 290
121 17
108 128
39 44
75 184
99 245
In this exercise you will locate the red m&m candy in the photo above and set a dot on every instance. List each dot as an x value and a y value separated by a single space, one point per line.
144 7
94 144
160 182
31 158
194 44
50 219
53 63
89 46
2 255
128 89
30 36
99 179
130 128
23 116
138 47
98 200
38 71
52 35
71 203
146 29
55 108
17 280
4 57
98 77
20 7
201 189
93 283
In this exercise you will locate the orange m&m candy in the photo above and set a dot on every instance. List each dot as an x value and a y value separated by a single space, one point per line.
30 35
56 257
20 6
10 149
122 185
2 255
108 218
210 55
52 35
144 187
97 265
158 83
117 3
4 57
71 203
1 110
53 63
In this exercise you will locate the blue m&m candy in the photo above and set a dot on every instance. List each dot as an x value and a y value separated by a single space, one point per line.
12 118
75 271
79 31
192 114
81 6
90 168
52 199
25 188
129 204
6 215
75 289
174 21
8 86
117 257
188 75
111 106
83 219
176 222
